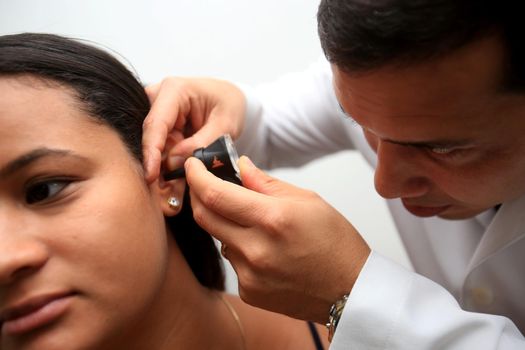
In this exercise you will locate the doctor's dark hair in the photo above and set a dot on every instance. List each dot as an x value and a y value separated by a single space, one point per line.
110 93
362 35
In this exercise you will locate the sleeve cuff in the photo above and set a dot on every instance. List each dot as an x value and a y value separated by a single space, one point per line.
391 307
373 306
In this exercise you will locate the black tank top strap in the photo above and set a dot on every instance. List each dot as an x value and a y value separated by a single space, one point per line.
315 335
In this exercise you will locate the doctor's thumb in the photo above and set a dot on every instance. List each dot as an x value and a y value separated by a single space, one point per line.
257 180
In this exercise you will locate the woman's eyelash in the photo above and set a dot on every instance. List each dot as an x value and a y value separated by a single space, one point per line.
45 190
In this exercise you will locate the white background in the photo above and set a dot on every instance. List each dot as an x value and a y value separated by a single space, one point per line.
242 40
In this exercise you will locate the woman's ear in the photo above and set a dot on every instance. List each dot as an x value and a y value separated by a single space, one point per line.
170 195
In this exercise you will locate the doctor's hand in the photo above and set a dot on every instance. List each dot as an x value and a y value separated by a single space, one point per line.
203 109
293 253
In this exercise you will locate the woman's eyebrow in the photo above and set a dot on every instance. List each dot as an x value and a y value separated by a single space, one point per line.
32 156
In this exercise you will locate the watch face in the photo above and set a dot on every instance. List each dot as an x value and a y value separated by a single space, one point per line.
336 310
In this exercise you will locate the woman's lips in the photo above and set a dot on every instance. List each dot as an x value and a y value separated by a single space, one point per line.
34 313
425 211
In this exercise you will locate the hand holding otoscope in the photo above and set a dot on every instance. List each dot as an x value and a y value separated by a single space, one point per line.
220 158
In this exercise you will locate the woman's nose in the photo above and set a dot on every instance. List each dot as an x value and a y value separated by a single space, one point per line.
20 253
398 173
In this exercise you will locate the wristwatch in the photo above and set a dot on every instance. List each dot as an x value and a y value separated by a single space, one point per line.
336 310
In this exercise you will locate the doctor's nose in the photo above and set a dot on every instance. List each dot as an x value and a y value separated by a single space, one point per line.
398 174
20 254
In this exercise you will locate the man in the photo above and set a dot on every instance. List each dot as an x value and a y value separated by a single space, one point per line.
436 94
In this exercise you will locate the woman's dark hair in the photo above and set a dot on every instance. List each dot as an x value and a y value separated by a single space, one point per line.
110 93
361 35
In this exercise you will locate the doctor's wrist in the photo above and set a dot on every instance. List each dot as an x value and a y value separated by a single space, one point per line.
340 301
336 310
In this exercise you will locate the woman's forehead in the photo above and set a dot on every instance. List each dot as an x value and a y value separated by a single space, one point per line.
48 115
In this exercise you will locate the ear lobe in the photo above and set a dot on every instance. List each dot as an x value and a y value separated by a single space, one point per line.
171 195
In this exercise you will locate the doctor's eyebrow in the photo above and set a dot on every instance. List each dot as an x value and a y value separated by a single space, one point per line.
433 143
31 157
347 116
419 144
342 109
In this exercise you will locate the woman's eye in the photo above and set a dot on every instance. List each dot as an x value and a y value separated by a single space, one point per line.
44 190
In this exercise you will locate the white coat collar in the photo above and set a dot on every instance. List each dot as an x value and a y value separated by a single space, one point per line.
507 227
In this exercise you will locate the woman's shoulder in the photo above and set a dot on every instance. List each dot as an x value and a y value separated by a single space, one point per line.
264 329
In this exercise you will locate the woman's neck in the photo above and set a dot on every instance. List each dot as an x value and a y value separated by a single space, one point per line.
185 315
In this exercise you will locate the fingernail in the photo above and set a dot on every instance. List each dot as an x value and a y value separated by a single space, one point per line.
192 161
147 164
175 162
151 167
188 162
247 162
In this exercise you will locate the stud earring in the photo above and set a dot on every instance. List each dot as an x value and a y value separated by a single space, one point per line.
173 202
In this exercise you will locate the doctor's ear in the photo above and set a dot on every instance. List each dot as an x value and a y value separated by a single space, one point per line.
171 196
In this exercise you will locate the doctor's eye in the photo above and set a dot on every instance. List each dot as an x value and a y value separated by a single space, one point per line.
449 153
347 116
45 190
441 150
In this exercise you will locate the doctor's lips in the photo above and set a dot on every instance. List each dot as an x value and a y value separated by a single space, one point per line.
425 211
34 313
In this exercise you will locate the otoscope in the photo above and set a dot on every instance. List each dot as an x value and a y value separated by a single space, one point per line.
220 158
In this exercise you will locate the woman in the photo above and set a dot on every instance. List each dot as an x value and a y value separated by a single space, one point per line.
91 257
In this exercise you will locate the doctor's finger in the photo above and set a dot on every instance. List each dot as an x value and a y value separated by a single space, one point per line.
236 203
202 138
151 91
165 111
221 228
258 181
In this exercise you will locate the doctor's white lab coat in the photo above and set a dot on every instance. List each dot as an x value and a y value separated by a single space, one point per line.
468 288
